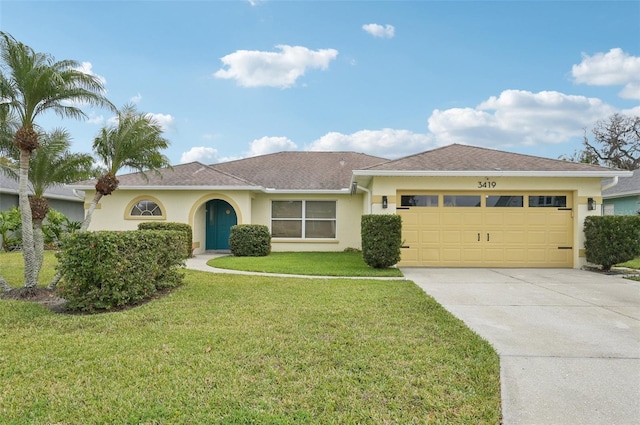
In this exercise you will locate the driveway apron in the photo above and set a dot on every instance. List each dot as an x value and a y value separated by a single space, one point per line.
568 340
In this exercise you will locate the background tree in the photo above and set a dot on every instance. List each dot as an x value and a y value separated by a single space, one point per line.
616 142
32 83
135 142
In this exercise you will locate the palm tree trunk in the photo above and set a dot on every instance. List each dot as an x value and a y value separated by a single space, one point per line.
28 248
4 286
92 207
38 243
85 225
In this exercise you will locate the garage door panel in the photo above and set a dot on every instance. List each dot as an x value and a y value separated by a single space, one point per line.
431 255
430 236
451 218
410 237
430 218
489 236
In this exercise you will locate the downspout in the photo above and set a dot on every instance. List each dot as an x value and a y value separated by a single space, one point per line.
610 185
368 198
77 194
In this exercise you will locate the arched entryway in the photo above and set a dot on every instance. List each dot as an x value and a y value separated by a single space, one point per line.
220 216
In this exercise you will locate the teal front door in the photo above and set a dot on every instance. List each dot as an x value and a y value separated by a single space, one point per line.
220 217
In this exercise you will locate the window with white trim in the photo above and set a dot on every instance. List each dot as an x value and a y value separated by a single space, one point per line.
145 208
303 219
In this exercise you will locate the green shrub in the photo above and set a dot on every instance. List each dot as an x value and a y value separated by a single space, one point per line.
611 239
181 227
10 228
381 239
107 270
250 240
55 226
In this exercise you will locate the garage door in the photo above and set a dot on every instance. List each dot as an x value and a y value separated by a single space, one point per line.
457 229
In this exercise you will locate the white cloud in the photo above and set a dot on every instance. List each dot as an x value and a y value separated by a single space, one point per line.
252 68
164 120
136 99
95 119
518 117
266 145
381 31
387 143
607 69
201 154
87 68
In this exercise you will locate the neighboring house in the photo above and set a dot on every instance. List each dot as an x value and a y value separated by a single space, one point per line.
61 199
461 206
624 197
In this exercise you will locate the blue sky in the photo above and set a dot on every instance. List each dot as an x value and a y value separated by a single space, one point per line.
232 79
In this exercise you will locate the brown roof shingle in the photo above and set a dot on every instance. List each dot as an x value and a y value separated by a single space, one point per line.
300 170
458 157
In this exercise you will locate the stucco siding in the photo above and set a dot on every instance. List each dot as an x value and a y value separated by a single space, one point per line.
348 213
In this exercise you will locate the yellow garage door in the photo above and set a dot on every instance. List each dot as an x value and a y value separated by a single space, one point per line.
457 229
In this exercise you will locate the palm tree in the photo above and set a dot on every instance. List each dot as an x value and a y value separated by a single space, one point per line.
32 83
135 143
53 164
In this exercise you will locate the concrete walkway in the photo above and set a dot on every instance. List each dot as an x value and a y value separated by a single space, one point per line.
568 340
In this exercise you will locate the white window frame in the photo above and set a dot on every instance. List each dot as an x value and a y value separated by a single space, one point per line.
304 219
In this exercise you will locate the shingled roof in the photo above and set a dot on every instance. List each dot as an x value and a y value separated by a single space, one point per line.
10 186
193 174
463 158
300 170
627 186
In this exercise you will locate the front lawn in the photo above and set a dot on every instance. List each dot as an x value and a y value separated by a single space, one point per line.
632 264
306 263
229 349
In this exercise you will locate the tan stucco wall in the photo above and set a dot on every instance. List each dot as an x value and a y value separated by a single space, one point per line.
251 208
348 212
581 188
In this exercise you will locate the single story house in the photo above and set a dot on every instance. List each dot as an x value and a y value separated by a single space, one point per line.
623 198
461 206
61 198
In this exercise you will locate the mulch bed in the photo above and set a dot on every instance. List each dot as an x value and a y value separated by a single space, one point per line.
49 299
42 296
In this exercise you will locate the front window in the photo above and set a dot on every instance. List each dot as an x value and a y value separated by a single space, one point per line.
303 219
146 208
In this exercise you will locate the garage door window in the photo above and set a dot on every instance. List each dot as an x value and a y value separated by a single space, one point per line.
461 200
419 200
504 201
548 201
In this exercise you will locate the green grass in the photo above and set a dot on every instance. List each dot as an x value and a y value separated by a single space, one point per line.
12 268
632 264
306 263
228 349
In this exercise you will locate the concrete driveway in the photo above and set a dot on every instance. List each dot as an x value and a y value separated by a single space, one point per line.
568 340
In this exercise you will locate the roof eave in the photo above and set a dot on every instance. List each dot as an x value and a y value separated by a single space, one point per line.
150 187
622 194
341 191
489 173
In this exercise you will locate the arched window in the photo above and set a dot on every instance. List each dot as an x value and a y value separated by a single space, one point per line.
145 208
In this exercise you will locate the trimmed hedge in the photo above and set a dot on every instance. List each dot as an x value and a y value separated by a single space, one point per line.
381 239
250 240
181 227
106 270
611 239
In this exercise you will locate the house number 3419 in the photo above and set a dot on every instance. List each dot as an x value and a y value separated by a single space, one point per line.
489 184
